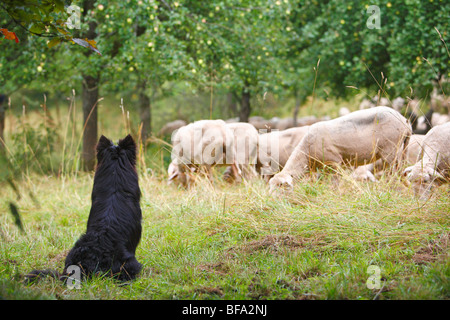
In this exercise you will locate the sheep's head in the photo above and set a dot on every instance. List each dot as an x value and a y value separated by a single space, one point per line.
281 182
362 174
423 180
177 176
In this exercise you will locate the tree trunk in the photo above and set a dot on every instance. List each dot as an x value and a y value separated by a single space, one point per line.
145 113
2 120
90 98
244 113
90 88
298 103
231 105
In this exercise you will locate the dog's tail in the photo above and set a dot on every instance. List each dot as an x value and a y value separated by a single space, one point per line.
37 275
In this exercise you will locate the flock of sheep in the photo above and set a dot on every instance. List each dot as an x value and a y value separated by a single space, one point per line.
371 141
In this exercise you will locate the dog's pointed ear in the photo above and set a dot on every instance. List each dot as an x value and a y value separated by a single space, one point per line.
127 143
129 146
103 143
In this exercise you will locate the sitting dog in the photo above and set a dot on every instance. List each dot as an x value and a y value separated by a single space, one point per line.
114 225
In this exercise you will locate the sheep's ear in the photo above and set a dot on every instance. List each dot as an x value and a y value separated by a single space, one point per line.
103 143
127 143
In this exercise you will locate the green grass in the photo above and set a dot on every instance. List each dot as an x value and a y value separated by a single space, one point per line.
238 242
222 241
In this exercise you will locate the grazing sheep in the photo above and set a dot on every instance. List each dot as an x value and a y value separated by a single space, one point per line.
260 123
366 104
170 127
287 123
358 138
275 148
437 119
420 124
434 167
343 111
246 148
200 146
411 156
414 149
232 120
381 101
374 102
398 103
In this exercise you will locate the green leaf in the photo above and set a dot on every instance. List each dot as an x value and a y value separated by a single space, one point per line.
38 28
54 42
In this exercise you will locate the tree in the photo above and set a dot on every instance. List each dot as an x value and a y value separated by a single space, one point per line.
232 45
149 54
90 92
388 59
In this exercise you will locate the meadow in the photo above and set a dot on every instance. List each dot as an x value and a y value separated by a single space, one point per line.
218 241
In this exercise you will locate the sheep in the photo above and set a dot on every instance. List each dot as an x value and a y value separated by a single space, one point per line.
374 102
398 103
434 167
260 123
381 101
283 124
414 148
246 148
343 111
200 146
366 104
437 119
232 120
411 156
275 147
170 127
358 138
287 123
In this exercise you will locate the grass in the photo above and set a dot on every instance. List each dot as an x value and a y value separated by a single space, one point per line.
237 242
233 241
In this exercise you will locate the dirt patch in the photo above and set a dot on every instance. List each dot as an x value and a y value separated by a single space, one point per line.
274 243
209 290
435 250
218 268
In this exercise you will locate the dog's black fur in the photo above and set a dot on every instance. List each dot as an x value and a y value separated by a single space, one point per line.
114 225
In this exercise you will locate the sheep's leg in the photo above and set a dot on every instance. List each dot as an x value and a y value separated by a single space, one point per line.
209 174
237 173
228 175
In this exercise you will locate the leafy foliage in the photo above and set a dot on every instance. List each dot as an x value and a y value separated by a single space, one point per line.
232 46
49 19
336 32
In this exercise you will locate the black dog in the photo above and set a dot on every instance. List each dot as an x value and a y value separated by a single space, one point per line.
114 224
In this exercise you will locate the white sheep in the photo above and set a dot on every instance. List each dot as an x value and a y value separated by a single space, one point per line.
200 146
275 147
246 149
358 138
433 169
411 156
